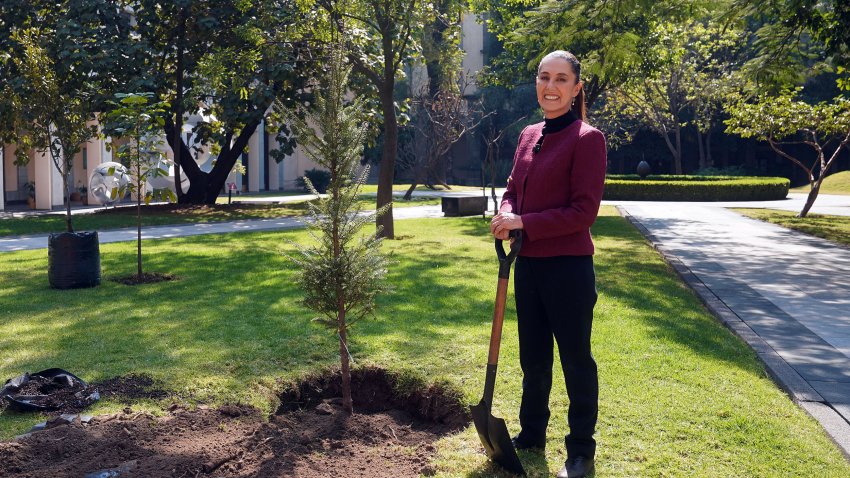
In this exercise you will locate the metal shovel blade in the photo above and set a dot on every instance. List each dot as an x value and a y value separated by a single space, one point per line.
495 438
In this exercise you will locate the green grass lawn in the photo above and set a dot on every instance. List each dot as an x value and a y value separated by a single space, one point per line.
836 183
833 228
156 215
680 395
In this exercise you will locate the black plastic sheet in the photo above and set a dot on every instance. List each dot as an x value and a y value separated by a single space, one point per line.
28 403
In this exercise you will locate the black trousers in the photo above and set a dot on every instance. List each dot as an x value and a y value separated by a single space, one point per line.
555 297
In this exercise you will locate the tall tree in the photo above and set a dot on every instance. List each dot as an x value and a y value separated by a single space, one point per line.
341 274
670 84
219 61
383 36
439 122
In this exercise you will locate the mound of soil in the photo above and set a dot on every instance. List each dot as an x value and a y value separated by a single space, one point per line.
386 437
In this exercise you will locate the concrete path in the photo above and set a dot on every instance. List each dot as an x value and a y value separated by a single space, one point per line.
39 241
785 293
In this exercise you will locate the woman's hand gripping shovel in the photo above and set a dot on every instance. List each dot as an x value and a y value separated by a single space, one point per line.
493 431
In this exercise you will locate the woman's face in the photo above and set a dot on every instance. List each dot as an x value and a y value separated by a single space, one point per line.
556 87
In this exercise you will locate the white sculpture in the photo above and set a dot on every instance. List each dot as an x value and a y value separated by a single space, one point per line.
101 183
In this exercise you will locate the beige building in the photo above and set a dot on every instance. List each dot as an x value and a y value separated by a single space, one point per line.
262 172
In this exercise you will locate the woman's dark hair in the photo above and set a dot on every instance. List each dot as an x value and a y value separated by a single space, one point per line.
578 107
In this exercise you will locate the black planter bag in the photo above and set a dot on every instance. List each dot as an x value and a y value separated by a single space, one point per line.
25 403
73 260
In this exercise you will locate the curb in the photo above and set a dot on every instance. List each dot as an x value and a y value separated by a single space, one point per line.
797 388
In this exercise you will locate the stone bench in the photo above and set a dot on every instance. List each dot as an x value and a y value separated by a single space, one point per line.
464 205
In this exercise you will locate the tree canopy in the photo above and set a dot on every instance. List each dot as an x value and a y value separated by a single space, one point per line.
219 62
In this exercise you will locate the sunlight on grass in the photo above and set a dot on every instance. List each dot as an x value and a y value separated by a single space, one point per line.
832 228
835 183
680 395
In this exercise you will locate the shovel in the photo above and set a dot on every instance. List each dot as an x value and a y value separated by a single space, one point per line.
493 431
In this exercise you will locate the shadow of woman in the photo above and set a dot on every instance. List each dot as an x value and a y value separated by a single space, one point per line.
534 463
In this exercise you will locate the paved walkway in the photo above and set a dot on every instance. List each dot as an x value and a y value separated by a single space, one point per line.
785 293
39 241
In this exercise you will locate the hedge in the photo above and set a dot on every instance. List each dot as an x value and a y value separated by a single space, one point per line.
695 188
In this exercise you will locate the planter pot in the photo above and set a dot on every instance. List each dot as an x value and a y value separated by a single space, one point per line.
73 260
75 196
31 202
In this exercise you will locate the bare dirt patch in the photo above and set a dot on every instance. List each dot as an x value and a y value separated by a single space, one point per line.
391 434
145 278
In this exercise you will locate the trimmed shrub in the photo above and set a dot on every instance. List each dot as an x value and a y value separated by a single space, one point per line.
695 188
319 177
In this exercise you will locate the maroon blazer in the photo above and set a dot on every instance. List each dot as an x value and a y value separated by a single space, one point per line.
557 190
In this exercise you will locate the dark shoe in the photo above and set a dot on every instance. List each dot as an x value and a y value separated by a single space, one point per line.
522 444
577 467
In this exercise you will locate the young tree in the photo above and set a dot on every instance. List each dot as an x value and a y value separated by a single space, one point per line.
783 121
139 119
342 273
49 114
58 64
492 141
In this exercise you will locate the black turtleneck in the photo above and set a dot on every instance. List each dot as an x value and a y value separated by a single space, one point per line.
553 125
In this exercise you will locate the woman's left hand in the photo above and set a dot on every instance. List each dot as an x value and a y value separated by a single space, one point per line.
503 223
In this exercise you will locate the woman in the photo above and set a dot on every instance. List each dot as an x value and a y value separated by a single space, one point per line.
553 195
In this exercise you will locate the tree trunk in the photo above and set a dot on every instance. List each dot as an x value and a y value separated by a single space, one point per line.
342 329
384 222
810 199
701 150
204 187
67 192
139 213
139 233
677 155
709 162
176 137
347 403
492 154
674 151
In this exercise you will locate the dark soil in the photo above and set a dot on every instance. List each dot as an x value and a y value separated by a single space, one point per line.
129 388
391 434
62 399
146 278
